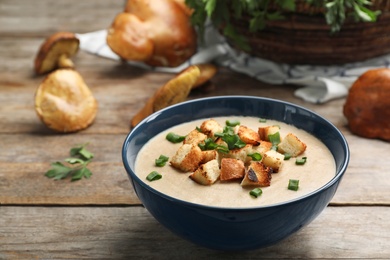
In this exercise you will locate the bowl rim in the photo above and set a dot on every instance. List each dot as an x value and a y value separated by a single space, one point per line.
339 174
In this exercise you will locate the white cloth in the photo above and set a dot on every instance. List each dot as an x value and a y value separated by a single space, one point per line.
319 83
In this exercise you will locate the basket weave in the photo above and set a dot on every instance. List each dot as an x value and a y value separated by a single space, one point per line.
305 38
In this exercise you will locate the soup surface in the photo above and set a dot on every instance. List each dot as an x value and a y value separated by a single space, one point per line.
316 172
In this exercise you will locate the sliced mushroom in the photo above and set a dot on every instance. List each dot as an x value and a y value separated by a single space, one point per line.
56 52
174 91
207 71
64 102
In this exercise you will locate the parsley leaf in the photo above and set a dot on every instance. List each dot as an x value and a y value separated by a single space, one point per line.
76 165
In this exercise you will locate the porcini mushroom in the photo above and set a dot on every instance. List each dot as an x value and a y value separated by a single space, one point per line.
56 52
174 91
207 71
64 102
156 32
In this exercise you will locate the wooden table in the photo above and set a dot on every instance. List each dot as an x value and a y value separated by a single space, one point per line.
102 217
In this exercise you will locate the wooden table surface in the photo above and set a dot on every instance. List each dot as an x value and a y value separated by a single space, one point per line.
101 217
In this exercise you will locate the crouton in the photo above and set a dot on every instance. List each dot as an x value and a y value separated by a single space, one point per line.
264 132
273 159
209 155
248 135
210 127
257 175
194 137
207 173
232 169
263 147
291 145
187 158
240 153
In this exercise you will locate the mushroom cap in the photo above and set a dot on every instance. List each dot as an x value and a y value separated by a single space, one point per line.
55 52
367 106
64 102
157 32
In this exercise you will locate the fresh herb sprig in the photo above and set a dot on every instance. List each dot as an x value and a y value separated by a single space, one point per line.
76 165
232 140
222 12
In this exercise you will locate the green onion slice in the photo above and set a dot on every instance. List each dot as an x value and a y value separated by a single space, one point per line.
175 138
256 192
161 161
232 122
301 161
287 156
255 156
262 120
153 176
274 138
293 184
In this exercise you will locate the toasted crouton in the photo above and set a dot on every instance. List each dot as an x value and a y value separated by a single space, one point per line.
273 159
257 175
194 137
209 155
240 154
263 147
291 145
207 173
187 158
210 127
264 132
231 169
248 135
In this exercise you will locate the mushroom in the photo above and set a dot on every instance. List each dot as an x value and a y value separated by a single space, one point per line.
56 51
156 32
174 91
64 102
207 71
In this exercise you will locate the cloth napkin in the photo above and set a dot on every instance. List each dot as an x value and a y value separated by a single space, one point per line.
319 84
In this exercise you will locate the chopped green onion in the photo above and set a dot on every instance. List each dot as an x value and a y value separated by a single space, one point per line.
301 161
256 192
293 184
255 156
153 176
174 138
198 129
161 161
232 122
287 156
262 120
274 138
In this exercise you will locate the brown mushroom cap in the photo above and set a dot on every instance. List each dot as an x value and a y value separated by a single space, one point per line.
64 102
55 52
367 106
157 32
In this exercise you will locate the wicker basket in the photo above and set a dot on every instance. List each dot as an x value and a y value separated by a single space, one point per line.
305 38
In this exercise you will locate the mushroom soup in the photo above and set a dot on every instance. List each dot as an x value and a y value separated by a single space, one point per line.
318 169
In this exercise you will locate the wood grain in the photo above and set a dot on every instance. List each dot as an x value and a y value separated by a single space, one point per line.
131 233
102 217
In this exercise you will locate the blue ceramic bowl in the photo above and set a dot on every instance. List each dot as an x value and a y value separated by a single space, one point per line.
230 228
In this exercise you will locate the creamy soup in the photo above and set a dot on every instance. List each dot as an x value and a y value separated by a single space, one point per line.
316 172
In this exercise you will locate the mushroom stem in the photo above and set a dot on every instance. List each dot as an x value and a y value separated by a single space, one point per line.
65 62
